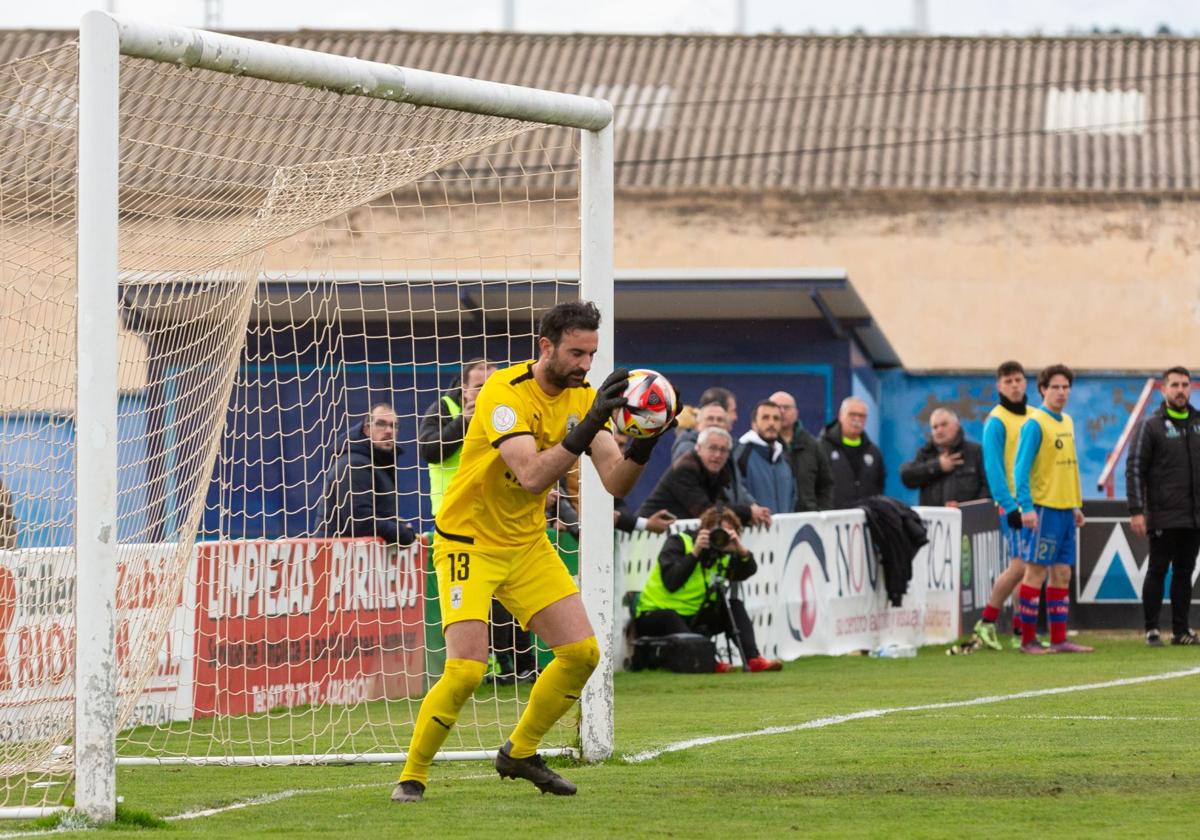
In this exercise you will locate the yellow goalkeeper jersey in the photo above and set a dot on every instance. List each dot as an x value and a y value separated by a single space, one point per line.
485 504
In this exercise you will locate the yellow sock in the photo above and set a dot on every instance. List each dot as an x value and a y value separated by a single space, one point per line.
555 691
439 711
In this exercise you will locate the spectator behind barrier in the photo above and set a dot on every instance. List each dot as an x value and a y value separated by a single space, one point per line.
360 498
691 422
857 463
706 416
948 469
700 479
762 462
686 588
810 464
444 424
626 520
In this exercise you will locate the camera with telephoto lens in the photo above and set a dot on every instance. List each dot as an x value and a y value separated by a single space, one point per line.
718 543
718 540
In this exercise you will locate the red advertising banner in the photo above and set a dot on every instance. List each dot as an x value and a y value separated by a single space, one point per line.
296 622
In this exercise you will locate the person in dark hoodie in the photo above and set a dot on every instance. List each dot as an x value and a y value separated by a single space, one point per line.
698 480
762 461
360 497
948 469
857 463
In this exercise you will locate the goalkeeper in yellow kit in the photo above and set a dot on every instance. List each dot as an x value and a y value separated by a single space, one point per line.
532 422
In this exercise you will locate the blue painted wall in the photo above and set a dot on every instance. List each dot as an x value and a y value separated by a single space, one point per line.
1099 404
751 359
37 463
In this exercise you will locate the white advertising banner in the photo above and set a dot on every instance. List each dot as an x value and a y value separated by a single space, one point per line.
37 638
819 588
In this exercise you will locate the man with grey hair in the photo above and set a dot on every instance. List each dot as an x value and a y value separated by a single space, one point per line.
698 480
858 470
709 414
948 469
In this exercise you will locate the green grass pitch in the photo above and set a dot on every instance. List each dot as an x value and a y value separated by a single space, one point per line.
1115 761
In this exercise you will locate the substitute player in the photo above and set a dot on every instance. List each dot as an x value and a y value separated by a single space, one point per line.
532 422
1048 491
1001 434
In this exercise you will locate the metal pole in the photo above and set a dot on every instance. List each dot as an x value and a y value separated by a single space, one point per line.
96 420
596 569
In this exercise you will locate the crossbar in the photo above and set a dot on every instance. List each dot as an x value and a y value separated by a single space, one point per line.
342 74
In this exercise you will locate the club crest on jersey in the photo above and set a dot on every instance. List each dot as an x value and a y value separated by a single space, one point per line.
503 418
572 422
455 597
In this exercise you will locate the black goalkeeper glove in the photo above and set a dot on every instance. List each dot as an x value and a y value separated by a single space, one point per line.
609 396
638 450
1014 519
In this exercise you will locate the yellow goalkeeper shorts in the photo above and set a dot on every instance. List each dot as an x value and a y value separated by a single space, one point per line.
525 579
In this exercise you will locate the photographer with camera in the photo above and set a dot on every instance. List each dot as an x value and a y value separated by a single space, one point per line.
687 590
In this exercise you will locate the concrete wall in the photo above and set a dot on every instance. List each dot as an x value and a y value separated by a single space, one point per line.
958 284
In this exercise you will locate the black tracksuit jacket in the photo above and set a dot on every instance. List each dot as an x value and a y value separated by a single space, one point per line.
1162 473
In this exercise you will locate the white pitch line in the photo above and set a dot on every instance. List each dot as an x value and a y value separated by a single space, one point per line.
1135 718
821 723
264 799
268 798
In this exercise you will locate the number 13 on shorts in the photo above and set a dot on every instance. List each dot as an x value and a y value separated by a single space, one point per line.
460 566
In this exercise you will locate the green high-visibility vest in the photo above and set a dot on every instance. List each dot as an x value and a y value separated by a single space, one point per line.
688 599
441 473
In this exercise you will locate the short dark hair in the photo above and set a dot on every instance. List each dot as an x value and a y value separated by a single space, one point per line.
1178 369
761 404
371 411
473 364
1049 372
716 394
1009 368
567 316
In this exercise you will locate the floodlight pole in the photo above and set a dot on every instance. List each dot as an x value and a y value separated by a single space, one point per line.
596 568
96 420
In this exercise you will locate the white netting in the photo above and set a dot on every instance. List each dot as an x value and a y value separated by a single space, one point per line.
288 258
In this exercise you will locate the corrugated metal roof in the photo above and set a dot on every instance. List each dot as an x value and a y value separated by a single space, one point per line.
841 113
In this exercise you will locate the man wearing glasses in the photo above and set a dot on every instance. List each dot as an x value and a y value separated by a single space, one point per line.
698 480
858 470
360 497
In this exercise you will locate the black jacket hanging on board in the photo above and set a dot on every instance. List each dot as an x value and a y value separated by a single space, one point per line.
898 533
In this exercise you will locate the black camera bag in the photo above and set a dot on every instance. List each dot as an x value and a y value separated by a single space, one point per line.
683 653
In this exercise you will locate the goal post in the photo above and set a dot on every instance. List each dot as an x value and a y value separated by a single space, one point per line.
192 305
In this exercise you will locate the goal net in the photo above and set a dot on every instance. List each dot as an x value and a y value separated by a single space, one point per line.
289 257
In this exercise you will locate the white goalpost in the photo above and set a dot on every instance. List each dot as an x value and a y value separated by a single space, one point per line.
216 255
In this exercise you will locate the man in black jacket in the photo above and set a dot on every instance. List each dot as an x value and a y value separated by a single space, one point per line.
948 469
1162 480
360 497
857 463
810 465
698 480
624 519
